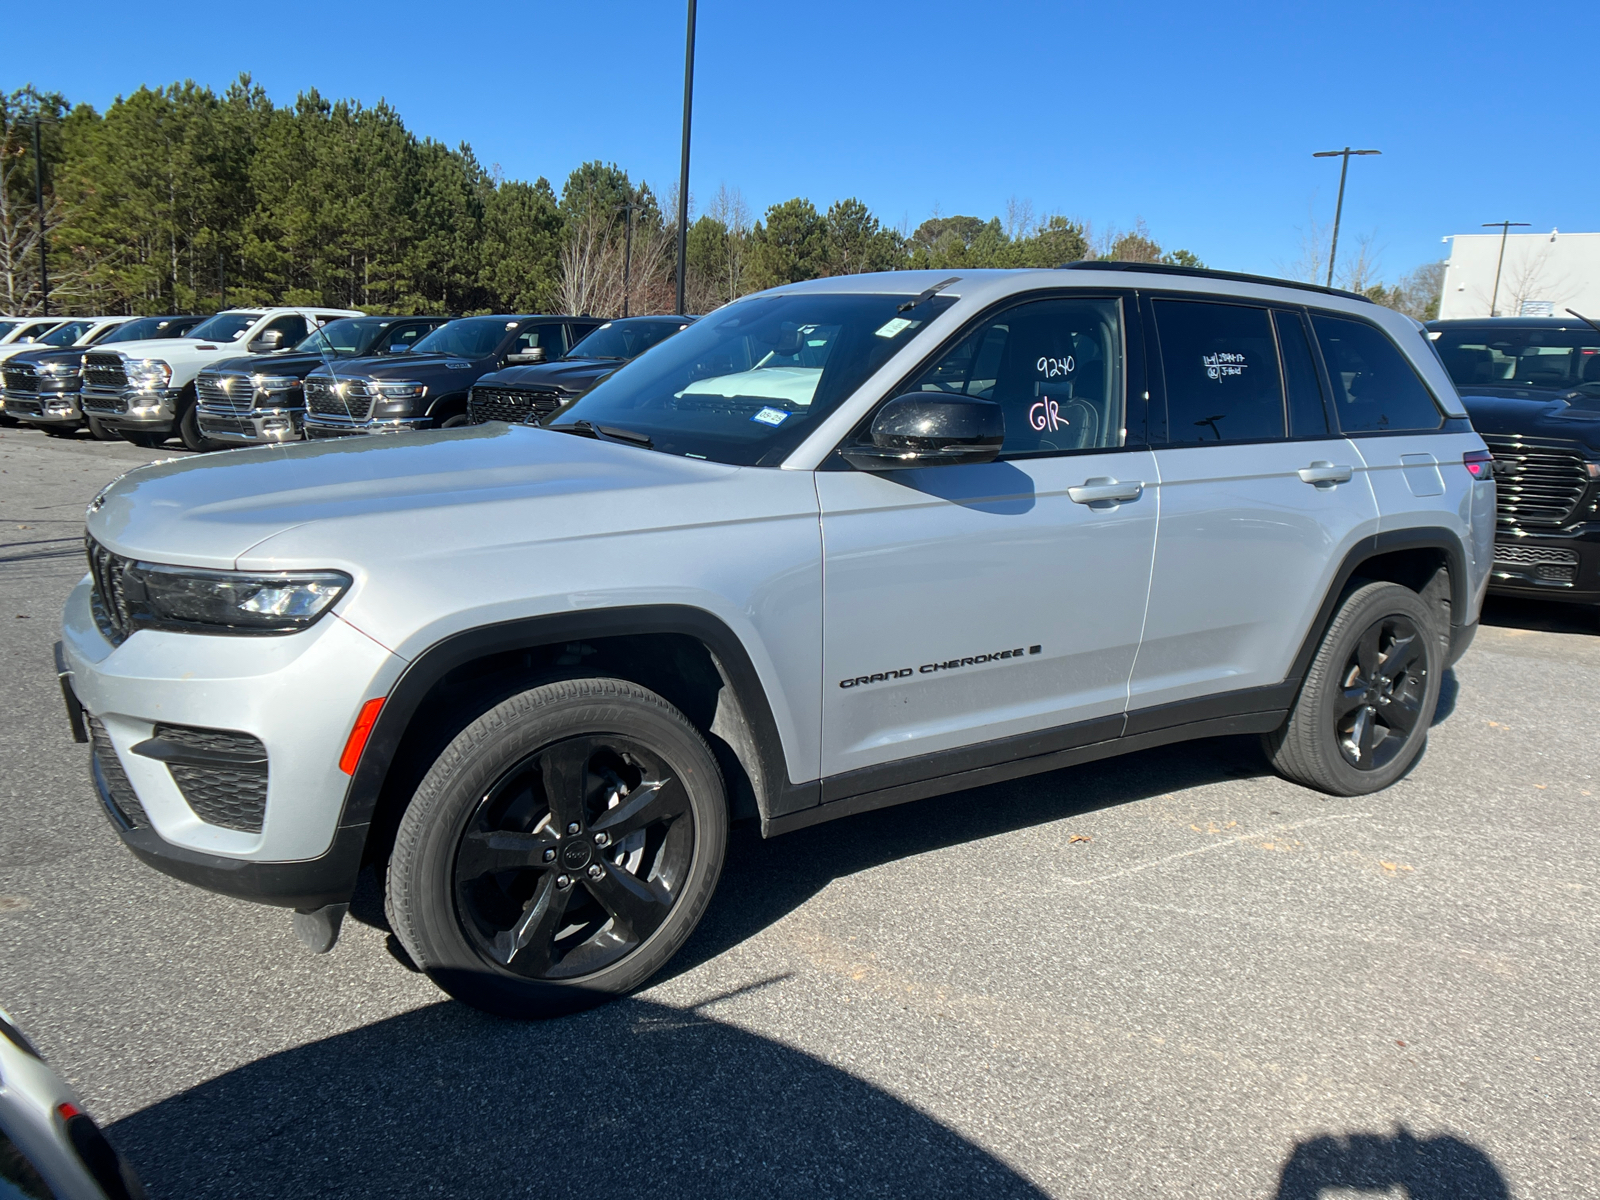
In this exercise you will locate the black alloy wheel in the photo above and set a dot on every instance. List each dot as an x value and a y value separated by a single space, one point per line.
1362 716
560 850
574 857
1381 694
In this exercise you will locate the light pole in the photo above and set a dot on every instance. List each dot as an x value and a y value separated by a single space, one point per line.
627 252
38 204
1504 227
683 168
1338 210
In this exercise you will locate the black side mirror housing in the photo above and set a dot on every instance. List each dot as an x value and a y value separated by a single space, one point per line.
269 341
526 358
930 429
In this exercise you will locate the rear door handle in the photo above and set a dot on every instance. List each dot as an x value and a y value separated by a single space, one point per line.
1324 473
1103 487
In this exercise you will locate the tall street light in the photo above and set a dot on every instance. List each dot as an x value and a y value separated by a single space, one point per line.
683 169
38 203
1338 210
1504 227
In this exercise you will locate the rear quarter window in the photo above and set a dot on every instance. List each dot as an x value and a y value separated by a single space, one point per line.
1375 387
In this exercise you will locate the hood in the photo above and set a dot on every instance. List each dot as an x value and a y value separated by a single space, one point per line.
162 348
411 365
1575 419
209 510
42 354
287 362
565 374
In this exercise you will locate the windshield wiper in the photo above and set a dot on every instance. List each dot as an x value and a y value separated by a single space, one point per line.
588 429
924 296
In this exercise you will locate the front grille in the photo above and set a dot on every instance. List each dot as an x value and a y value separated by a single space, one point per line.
104 371
212 424
343 398
1529 556
232 795
109 769
21 377
230 392
108 599
1539 481
511 404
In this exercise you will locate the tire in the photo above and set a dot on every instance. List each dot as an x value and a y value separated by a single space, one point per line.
189 430
100 433
1361 718
454 422
145 438
527 908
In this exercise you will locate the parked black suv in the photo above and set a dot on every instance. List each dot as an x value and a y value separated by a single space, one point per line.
1532 386
258 399
428 387
531 393
45 383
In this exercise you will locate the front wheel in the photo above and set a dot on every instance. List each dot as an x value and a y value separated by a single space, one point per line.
1362 716
560 850
101 433
144 438
189 431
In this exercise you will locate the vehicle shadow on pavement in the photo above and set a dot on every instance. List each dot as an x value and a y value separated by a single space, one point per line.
763 881
1436 1168
1546 616
631 1099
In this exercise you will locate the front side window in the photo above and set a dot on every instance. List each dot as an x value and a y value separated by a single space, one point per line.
404 338
1053 366
551 338
36 331
347 338
65 335
224 327
1220 364
147 328
1375 389
470 337
748 383
292 328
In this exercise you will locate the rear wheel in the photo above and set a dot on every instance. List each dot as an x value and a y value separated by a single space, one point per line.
1361 719
560 850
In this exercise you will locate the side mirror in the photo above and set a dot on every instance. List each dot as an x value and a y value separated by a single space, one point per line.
269 341
526 358
930 429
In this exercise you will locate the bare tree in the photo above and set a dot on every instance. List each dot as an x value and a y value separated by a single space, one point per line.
1311 264
1020 222
1361 264
592 259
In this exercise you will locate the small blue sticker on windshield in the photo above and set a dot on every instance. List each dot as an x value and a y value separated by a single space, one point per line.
771 416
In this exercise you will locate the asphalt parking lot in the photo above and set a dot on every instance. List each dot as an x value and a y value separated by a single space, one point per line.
1171 974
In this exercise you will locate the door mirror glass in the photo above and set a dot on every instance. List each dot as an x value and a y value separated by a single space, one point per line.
929 429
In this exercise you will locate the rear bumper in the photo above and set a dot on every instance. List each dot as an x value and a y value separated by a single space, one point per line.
259 427
1549 566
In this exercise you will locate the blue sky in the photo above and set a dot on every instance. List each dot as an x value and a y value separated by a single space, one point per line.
1198 118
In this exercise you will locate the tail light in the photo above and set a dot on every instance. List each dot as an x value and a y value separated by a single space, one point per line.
1479 463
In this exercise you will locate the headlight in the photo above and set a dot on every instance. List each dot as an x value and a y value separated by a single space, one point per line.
196 601
147 374
59 370
274 383
399 391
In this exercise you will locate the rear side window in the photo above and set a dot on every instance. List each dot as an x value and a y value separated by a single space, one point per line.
1220 364
1375 388
1308 415
1053 366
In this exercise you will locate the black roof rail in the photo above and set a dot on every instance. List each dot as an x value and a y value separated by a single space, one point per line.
1094 264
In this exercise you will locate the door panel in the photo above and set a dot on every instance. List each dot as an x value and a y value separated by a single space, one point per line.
968 603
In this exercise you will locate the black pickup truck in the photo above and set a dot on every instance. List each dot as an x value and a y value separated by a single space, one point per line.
259 399
532 393
1532 388
427 388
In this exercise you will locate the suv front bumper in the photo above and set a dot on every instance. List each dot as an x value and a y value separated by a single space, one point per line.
258 427
297 693
1563 566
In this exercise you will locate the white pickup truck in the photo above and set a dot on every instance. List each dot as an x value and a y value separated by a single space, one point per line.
145 390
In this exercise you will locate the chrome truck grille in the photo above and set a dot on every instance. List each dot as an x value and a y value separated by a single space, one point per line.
347 398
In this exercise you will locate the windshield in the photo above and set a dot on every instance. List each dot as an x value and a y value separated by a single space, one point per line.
224 327
151 327
625 339
65 335
1551 359
748 383
349 338
473 337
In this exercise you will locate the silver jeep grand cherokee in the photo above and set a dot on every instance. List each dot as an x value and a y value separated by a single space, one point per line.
837 546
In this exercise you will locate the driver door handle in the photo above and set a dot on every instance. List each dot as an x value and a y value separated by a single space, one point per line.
1324 473
1102 488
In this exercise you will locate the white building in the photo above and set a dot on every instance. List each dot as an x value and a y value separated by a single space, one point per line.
1544 274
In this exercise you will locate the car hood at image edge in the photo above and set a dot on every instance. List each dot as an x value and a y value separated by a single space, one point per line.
482 483
1541 417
